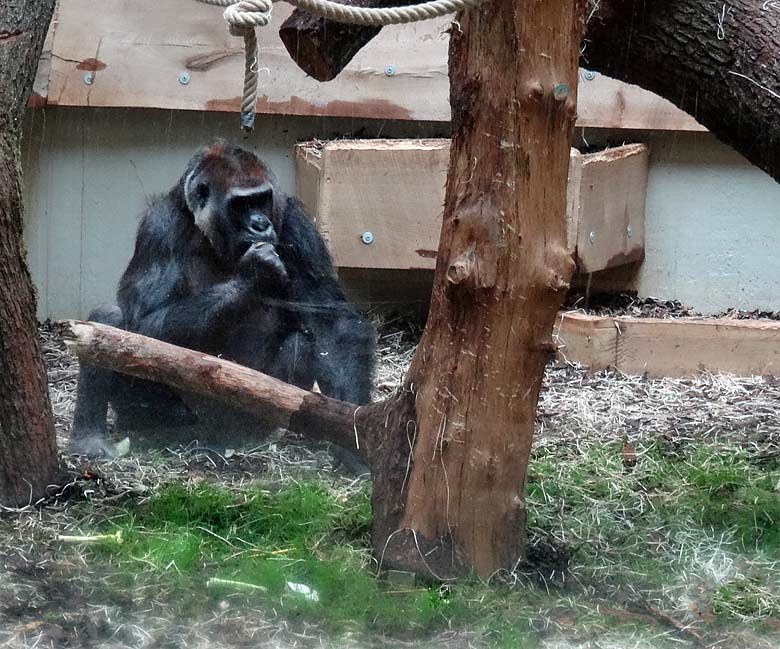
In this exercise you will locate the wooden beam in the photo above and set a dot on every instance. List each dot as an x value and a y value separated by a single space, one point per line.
670 347
137 61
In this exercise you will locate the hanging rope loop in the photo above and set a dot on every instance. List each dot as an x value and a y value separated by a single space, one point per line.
245 15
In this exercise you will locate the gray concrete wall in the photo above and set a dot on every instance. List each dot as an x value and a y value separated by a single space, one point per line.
713 221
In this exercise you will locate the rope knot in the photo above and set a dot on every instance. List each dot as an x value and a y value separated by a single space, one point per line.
245 15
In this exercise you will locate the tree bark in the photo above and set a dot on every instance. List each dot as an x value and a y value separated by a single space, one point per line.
720 62
310 414
722 68
469 399
28 451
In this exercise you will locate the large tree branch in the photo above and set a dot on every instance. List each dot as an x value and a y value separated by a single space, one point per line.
722 68
717 61
314 415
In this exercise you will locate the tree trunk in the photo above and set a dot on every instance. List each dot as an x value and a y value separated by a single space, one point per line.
469 400
718 61
28 452
722 68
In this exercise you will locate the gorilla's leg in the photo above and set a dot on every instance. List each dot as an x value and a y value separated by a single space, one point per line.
345 358
138 404
294 363
88 434
145 405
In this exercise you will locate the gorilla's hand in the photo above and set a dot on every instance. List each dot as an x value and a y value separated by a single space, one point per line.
262 265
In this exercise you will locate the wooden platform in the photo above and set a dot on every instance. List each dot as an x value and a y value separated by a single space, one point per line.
178 54
674 348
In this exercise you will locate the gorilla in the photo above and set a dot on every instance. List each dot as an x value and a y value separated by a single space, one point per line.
227 264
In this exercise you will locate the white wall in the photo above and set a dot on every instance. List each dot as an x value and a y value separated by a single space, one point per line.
713 221
713 227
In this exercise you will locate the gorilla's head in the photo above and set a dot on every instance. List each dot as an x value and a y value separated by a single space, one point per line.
230 193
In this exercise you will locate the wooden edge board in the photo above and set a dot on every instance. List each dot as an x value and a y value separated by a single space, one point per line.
677 347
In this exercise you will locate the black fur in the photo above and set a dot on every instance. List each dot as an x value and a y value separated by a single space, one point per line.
264 295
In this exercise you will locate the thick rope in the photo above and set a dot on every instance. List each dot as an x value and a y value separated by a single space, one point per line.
244 15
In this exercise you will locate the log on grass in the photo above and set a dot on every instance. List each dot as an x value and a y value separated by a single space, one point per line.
311 414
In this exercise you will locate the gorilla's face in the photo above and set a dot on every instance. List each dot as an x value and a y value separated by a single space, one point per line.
230 193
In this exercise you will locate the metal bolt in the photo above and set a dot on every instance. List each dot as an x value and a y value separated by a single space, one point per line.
560 91
629 231
592 237
367 238
184 78
590 75
89 78
390 70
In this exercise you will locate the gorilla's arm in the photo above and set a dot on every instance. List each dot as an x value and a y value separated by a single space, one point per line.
155 293
345 340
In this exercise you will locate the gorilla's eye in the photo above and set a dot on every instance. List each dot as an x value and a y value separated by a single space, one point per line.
202 193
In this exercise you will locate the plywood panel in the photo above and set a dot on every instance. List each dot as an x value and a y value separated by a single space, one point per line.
612 191
137 49
674 348
392 189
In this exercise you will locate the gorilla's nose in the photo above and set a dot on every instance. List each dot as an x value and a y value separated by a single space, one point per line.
261 228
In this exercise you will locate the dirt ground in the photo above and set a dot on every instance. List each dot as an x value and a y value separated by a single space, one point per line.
53 595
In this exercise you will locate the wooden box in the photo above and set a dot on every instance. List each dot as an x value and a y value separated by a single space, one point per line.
378 203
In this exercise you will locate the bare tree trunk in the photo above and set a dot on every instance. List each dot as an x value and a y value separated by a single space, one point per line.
718 61
503 269
28 452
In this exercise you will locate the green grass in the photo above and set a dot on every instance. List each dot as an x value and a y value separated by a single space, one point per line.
651 533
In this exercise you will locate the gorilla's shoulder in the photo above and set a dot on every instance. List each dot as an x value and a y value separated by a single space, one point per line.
163 219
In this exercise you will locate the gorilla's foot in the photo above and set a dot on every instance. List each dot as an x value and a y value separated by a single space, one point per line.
93 446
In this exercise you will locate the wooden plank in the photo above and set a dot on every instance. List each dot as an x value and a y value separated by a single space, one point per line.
393 189
674 348
142 46
611 223
137 50
585 340
40 89
604 102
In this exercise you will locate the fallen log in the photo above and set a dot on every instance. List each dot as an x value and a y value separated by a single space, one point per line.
314 415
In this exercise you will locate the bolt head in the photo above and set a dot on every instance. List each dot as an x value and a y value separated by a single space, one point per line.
560 91
184 78
89 78
590 75
592 237
390 70
367 238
